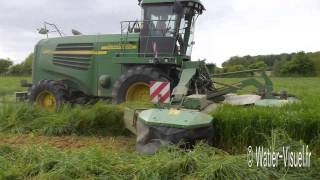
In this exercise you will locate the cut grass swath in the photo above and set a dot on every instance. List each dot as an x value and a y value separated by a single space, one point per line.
203 162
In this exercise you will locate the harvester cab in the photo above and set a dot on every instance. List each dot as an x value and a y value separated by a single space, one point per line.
167 28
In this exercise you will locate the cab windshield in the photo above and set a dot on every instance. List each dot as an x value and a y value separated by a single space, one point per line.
161 20
167 31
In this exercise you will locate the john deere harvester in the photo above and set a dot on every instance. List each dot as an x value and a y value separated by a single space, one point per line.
120 67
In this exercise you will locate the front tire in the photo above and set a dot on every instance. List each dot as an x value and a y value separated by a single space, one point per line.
49 94
134 84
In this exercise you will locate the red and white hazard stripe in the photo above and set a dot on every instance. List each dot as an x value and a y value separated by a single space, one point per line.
160 92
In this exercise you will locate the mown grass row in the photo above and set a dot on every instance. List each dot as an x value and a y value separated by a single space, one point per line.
97 163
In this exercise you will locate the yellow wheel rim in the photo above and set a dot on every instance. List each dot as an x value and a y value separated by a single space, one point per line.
47 100
138 92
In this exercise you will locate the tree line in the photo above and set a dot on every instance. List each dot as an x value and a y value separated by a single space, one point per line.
8 68
282 65
294 64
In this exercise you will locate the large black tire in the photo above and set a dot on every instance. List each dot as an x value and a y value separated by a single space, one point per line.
57 93
140 74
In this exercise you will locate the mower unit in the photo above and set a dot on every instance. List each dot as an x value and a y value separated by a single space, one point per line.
162 127
185 119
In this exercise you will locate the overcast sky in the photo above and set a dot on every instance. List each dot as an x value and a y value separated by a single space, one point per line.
228 27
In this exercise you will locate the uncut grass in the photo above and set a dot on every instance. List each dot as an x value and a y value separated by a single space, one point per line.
101 119
239 127
203 162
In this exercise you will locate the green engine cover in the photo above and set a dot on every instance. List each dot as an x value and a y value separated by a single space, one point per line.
173 118
87 63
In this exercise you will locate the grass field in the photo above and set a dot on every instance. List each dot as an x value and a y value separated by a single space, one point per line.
10 85
91 143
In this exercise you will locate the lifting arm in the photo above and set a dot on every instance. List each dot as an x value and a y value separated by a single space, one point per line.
265 90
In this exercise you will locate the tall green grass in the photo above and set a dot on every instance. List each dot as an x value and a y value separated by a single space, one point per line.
100 119
203 162
238 127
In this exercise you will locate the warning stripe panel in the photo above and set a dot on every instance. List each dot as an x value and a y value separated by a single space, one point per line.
165 98
160 91
152 83
164 91
155 86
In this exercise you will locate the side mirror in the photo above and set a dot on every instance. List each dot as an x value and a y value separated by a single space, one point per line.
177 7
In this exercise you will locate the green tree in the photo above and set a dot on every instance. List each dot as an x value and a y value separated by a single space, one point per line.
211 67
258 65
276 69
16 70
24 68
299 65
4 65
234 68
218 70
27 65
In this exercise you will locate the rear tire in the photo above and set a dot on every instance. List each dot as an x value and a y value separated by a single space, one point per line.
49 94
134 84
